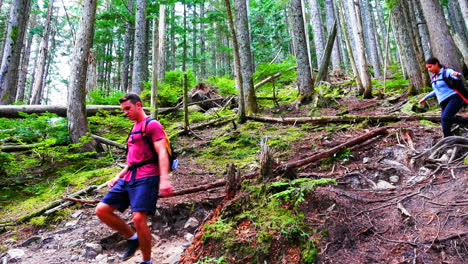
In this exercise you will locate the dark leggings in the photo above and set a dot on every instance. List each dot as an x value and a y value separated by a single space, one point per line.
450 108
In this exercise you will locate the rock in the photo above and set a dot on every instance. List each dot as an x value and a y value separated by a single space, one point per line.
173 254
384 185
365 160
74 258
73 243
71 223
77 214
95 247
16 253
192 222
195 108
101 258
188 237
30 241
92 250
394 179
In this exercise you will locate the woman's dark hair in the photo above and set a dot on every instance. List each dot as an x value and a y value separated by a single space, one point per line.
432 60
132 97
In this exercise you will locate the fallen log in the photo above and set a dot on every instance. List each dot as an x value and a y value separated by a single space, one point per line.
108 142
12 111
344 118
17 148
328 153
50 207
272 77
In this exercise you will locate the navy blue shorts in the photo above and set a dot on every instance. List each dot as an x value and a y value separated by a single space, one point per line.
142 195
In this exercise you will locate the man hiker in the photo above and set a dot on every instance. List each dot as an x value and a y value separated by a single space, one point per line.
450 100
140 182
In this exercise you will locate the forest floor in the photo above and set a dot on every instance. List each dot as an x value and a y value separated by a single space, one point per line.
387 206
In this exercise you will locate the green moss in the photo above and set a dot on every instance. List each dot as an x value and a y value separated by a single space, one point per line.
265 215
429 124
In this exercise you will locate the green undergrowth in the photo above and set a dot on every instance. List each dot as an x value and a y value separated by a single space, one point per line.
20 201
241 145
264 217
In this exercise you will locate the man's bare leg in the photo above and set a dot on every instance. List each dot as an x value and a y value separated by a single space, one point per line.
144 233
107 215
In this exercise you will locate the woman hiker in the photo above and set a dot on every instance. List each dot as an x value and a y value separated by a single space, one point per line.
449 100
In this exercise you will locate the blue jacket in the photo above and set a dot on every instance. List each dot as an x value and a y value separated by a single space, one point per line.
440 89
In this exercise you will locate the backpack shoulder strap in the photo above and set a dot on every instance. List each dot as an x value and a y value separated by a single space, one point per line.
147 139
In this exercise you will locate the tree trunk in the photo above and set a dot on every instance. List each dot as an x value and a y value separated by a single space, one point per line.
140 47
360 49
194 40
245 53
173 40
336 58
202 41
323 67
18 21
438 29
381 22
161 62
128 46
43 51
76 112
91 75
184 44
237 64
304 74
464 11
25 58
422 28
345 34
408 54
372 42
154 72
317 28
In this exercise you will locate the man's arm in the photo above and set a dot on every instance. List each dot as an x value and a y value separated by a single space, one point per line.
114 180
165 186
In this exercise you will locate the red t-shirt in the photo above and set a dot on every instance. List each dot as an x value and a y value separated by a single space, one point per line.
139 150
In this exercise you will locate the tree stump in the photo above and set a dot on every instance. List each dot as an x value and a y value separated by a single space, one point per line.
266 162
233 180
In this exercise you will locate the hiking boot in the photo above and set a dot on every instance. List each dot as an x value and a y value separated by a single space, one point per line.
132 246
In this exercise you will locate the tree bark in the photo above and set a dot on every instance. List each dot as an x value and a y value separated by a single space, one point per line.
25 58
438 29
304 74
237 64
346 35
326 59
139 48
372 42
317 28
464 11
18 21
154 73
76 111
128 46
360 49
330 10
408 53
43 51
161 62
245 54
202 41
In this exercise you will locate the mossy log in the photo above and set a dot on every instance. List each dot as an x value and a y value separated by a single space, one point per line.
344 119
50 208
12 111
328 153
108 142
